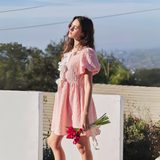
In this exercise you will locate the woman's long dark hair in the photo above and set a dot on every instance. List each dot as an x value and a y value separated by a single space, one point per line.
86 40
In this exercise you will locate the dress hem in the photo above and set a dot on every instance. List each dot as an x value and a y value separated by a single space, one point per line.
67 134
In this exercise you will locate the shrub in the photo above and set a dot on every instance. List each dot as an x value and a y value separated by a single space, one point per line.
47 152
140 140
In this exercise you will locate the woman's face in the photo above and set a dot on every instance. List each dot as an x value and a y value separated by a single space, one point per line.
75 30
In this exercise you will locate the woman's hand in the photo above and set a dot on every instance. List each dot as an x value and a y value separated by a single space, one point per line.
85 122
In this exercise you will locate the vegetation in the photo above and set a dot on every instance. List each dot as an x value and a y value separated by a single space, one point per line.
47 152
13 60
146 77
42 72
24 68
29 69
112 70
140 140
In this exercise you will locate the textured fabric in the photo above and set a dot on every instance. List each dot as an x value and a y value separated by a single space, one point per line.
68 107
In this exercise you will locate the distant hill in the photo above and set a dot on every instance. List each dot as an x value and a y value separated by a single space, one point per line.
142 58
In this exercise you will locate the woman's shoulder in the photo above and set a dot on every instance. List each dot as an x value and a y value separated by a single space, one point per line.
88 49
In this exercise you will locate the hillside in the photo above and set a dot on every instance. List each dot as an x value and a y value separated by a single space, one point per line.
144 58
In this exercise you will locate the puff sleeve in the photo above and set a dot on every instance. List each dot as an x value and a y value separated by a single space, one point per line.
89 60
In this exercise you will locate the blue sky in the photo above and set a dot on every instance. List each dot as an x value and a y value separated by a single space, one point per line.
136 31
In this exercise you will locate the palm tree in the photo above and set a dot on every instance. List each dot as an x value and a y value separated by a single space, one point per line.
113 69
119 73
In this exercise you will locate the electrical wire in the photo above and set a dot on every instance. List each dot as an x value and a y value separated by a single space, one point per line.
121 14
41 25
20 9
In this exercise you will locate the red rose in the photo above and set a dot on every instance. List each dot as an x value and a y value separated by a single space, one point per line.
69 129
68 136
78 133
80 130
72 136
74 141
77 138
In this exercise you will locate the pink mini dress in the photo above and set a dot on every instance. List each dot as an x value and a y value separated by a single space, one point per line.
70 96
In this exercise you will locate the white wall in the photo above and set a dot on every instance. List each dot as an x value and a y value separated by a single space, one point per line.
21 125
110 141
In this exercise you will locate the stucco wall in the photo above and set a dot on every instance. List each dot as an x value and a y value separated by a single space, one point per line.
21 125
110 141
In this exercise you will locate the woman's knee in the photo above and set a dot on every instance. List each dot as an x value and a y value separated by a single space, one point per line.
54 145
84 145
81 148
54 141
50 142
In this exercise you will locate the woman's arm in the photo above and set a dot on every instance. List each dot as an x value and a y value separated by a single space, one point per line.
88 95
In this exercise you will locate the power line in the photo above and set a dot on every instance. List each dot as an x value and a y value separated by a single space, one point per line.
41 25
121 14
34 26
20 9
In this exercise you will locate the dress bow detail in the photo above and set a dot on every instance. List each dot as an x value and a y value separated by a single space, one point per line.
62 68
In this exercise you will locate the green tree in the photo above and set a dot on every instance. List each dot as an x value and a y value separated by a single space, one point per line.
119 74
112 70
54 51
43 67
146 77
39 73
32 69
13 58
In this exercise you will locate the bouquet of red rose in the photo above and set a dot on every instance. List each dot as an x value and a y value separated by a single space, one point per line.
74 133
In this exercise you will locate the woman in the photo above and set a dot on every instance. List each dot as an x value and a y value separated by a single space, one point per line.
74 105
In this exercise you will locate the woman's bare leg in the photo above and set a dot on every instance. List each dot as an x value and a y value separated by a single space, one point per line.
54 141
84 148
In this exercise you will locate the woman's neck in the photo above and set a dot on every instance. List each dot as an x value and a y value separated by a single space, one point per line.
76 43
78 49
